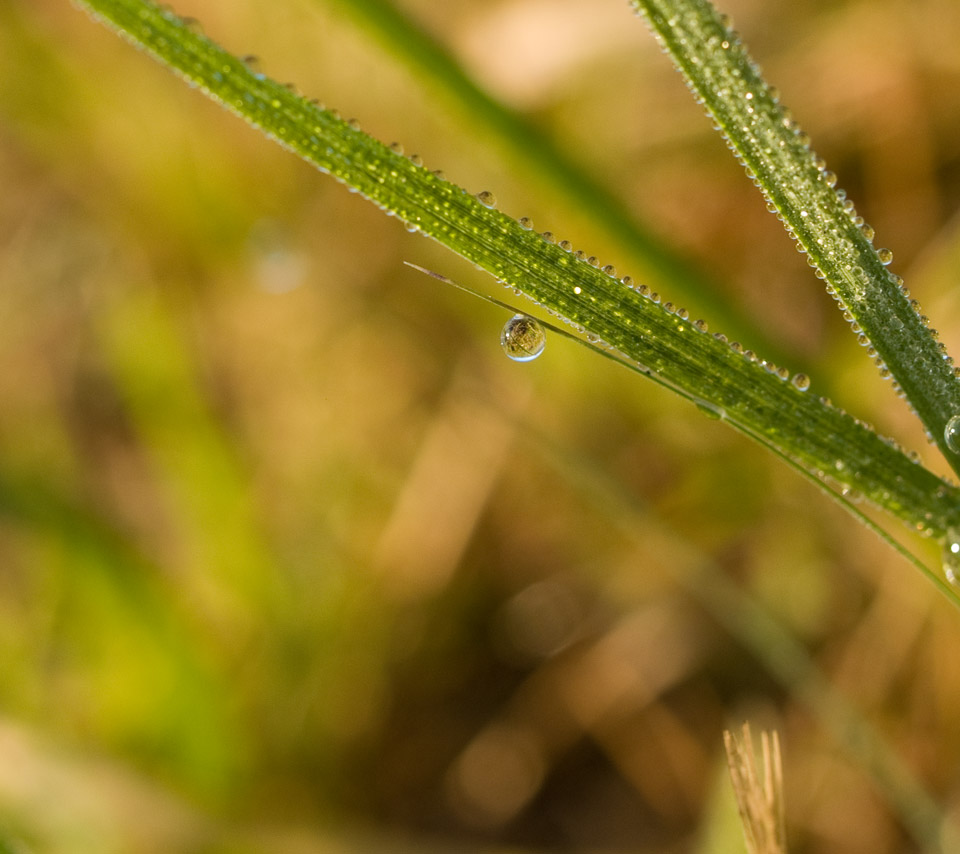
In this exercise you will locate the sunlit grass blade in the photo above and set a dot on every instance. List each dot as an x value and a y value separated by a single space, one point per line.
801 190
660 340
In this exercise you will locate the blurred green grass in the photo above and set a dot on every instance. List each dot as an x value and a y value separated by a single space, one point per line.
290 555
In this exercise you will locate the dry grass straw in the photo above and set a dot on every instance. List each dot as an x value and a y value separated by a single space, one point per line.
759 799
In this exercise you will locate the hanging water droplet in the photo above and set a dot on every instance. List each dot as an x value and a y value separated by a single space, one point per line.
951 434
487 199
523 338
951 555
886 256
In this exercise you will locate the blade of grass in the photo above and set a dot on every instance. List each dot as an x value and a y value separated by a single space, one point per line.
799 188
538 154
660 341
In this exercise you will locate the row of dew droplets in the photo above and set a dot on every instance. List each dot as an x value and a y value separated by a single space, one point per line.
728 40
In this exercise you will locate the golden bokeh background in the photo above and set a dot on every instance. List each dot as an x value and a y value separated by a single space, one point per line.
293 559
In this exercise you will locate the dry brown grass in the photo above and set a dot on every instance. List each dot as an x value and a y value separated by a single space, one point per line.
759 791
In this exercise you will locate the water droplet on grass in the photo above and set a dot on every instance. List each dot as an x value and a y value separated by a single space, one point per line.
523 338
951 555
951 434
487 199
801 382
886 256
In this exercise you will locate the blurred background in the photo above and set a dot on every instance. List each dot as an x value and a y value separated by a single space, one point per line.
292 558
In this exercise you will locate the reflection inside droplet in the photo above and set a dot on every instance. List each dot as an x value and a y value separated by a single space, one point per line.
523 338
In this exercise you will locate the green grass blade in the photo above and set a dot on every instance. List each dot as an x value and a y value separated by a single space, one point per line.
797 185
658 340
571 181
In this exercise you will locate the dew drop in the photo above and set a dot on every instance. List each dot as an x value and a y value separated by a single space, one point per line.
526 222
951 555
565 245
523 338
801 382
951 434
886 256
867 231
829 178
610 270
396 148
